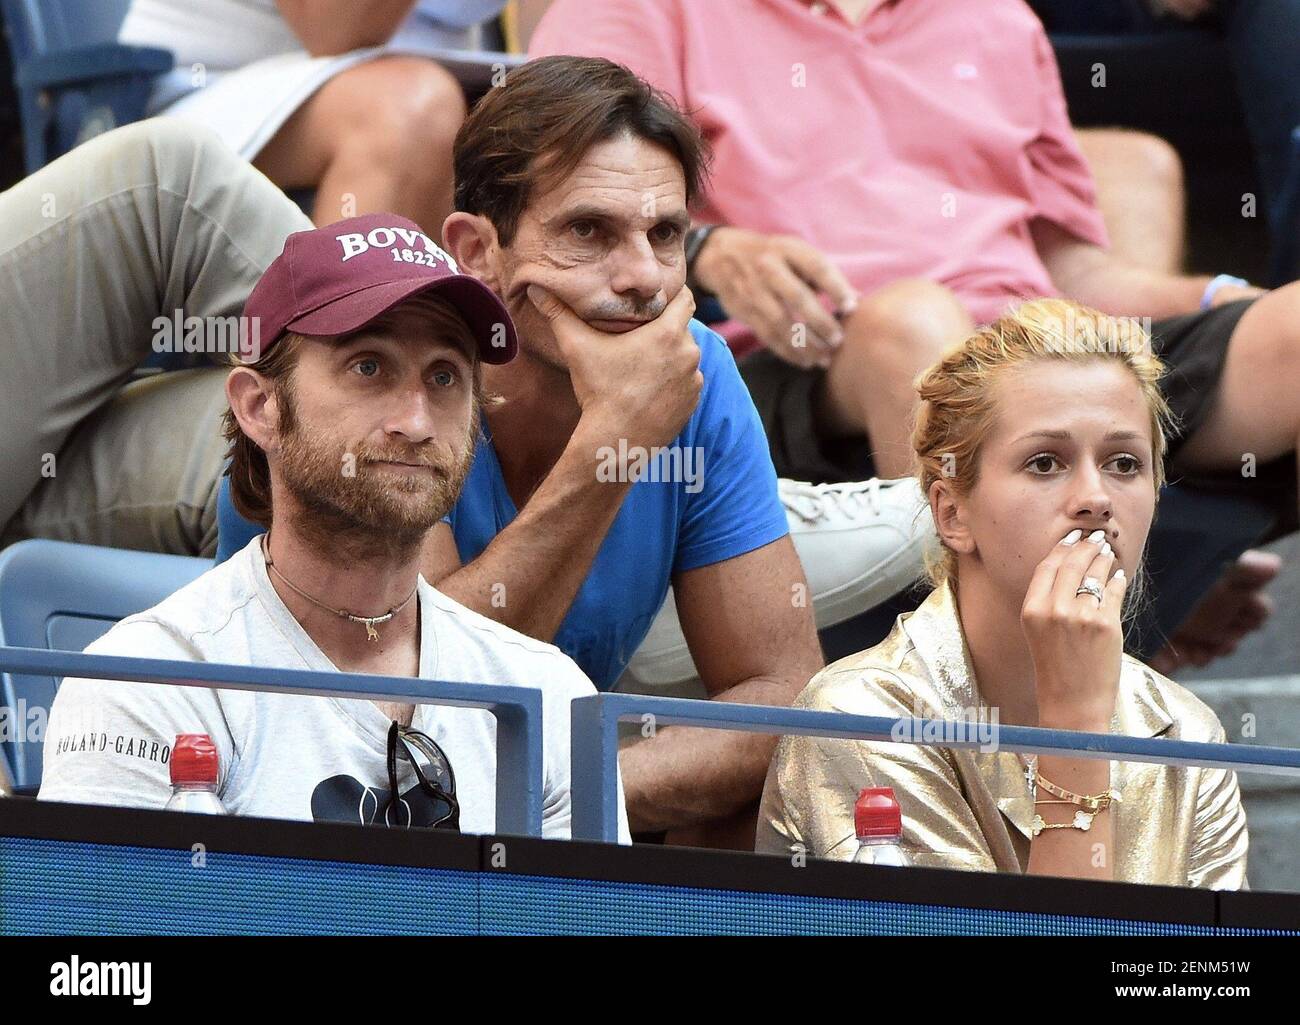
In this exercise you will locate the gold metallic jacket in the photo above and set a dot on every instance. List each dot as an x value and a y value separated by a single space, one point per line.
972 809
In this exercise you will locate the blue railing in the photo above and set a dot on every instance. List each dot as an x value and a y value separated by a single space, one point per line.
595 743
595 719
518 710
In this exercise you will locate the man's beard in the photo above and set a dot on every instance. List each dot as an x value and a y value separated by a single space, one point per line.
349 506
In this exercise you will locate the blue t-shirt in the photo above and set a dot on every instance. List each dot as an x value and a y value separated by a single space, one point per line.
710 496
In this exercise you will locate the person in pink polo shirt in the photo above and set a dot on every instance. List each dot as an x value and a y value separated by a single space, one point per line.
891 173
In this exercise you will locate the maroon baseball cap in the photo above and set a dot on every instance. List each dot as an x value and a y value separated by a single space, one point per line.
337 279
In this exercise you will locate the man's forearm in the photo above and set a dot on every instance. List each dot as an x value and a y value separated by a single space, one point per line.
530 574
1090 275
1126 291
677 776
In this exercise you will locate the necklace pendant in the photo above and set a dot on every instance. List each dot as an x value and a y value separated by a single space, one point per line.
371 633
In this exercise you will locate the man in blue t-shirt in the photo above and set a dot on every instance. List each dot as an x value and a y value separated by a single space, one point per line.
620 451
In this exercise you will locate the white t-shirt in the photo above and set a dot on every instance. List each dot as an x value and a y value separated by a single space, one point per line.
298 756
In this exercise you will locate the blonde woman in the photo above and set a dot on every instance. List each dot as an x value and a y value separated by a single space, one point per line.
1040 443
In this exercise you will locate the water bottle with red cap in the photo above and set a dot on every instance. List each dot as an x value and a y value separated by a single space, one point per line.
879 823
194 769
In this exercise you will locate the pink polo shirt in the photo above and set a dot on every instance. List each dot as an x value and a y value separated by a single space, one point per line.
920 142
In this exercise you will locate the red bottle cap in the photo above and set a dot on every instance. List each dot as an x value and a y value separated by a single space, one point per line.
194 759
877 813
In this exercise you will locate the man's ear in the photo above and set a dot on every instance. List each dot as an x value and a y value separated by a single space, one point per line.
950 518
471 240
252 400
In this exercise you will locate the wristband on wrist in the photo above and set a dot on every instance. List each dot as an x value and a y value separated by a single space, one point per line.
1212 289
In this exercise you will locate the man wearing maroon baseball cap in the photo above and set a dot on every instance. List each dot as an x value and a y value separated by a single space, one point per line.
365 386
352 429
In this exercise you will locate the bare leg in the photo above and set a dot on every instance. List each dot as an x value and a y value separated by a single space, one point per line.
1257 409
377 137
1140 192
894 334
1256 413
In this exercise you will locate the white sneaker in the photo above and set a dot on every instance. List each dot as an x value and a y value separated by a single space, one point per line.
860 544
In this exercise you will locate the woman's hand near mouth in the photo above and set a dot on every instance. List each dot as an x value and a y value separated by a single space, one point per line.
1075 641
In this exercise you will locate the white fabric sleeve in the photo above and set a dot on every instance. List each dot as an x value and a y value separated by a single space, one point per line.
109 741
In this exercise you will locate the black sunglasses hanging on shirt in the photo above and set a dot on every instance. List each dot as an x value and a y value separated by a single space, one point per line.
399 810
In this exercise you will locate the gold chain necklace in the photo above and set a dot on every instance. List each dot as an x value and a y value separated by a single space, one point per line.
368 621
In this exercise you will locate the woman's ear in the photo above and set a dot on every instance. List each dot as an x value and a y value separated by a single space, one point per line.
950 518
472 242
252 400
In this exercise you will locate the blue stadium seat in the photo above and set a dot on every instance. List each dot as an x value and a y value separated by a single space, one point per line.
74 79
60 597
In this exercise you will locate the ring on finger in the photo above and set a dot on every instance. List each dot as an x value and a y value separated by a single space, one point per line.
1092 586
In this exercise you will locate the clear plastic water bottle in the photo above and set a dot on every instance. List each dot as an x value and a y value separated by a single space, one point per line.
194 769
879 822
